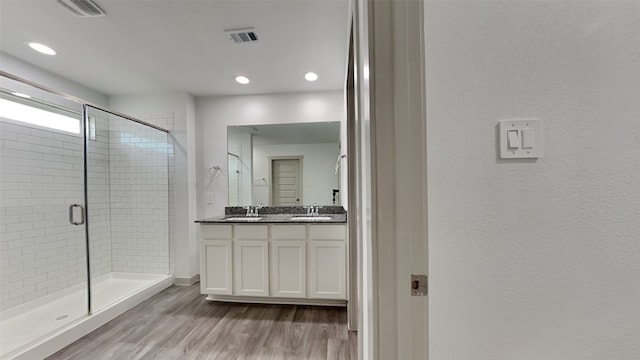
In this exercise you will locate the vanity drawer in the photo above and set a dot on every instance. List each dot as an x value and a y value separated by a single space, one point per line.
327 232
288 232
252 232
216 231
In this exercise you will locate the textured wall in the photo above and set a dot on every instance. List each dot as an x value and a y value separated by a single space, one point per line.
534 259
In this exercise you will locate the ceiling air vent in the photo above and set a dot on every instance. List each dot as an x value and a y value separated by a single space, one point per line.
242 36
84 8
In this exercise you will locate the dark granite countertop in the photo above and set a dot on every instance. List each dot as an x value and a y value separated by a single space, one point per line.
277 219
279 215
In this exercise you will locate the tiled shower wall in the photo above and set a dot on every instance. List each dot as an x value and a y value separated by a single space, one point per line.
41 174
166 121
99 202
139 197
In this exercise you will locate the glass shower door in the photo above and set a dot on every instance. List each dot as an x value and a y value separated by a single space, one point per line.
43 254
128 205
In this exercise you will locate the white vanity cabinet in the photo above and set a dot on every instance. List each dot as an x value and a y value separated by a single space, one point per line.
216 272
327 264
289 261
304 263
251 260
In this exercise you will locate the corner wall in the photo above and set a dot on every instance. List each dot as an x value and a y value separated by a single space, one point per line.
534 259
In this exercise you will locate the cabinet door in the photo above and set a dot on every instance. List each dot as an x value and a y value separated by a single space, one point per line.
216 267
251 267
288 269
327 270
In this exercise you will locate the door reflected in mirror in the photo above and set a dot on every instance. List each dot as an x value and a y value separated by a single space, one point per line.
284 164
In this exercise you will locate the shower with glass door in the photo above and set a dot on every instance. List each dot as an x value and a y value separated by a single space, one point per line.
84 214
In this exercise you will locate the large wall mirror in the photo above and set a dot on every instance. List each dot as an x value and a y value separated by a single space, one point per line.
284 164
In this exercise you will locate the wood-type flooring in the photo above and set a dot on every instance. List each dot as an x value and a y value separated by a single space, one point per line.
178 323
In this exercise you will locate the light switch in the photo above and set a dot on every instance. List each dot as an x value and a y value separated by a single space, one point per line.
520 139
528 138
513 139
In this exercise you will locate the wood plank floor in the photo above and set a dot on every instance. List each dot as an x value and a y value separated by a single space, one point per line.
178 323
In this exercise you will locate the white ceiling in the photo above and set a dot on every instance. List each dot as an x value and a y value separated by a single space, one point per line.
153 46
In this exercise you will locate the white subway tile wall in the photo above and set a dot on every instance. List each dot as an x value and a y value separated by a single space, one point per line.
166 121
99 199
130 179
139 190
41 174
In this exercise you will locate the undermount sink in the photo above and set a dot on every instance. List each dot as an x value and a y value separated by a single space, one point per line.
252 218
311 218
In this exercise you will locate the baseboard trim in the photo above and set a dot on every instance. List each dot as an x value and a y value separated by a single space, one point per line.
180 281
268 300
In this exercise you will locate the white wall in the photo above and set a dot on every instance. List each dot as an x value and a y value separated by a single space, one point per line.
179 107
534 259
40 76
213 114
318 166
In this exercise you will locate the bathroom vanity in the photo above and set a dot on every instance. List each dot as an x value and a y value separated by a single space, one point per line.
279 258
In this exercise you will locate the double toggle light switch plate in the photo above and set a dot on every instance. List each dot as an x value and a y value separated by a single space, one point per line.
520 139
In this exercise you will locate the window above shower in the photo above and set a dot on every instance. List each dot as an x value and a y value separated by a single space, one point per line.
34 110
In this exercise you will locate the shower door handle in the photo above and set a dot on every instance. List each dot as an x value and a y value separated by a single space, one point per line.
71 215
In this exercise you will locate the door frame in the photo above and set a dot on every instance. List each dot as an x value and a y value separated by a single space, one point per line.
392 216
300 172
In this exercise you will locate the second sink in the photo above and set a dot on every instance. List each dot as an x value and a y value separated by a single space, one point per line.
248 218
311 218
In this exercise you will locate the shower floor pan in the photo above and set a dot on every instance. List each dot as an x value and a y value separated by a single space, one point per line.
41 327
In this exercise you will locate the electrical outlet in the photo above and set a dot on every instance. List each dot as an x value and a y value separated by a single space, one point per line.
210 197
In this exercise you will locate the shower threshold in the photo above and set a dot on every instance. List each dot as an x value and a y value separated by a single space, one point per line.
40 327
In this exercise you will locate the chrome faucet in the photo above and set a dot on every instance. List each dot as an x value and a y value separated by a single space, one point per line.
253 210
313 210
250 210
256 208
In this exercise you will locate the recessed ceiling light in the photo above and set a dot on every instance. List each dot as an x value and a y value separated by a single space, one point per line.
22 95
311 76
242 79
41 48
